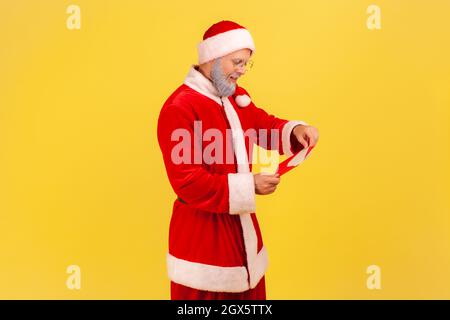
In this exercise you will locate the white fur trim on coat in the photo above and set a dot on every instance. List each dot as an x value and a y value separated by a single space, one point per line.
214 278
286 136
198 82
259 267
224 43
241 188
256 262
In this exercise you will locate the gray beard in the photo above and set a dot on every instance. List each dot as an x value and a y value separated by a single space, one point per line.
224 88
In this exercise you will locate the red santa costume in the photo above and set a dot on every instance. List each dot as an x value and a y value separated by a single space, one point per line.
215 245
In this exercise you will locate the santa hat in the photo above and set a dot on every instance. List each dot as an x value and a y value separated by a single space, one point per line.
223 38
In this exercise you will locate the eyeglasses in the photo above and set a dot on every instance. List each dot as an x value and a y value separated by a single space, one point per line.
239 63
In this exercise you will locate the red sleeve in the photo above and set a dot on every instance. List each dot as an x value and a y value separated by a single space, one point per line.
218 193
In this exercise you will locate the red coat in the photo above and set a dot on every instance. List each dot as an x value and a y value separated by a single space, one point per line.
215 243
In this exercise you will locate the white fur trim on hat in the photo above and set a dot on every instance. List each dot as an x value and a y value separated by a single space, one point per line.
243 100
224 43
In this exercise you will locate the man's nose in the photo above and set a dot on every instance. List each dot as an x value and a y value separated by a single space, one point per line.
241 71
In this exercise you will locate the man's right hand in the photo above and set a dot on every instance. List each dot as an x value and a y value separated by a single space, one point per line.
266 183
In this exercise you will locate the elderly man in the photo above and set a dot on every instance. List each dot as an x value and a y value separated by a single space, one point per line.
215 245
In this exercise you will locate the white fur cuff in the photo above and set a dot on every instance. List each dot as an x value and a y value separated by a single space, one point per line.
286 135
241 188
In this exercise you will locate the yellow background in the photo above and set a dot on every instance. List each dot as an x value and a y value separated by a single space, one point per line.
82 179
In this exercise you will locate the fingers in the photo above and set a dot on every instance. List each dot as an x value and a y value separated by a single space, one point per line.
271 190
311 139
303 142
307 136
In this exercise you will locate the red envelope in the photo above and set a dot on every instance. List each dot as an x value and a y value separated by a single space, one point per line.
293 161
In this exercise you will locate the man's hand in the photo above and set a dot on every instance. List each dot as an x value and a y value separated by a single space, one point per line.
306 135
266 183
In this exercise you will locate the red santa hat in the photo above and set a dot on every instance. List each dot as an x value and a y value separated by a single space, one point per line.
223 38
